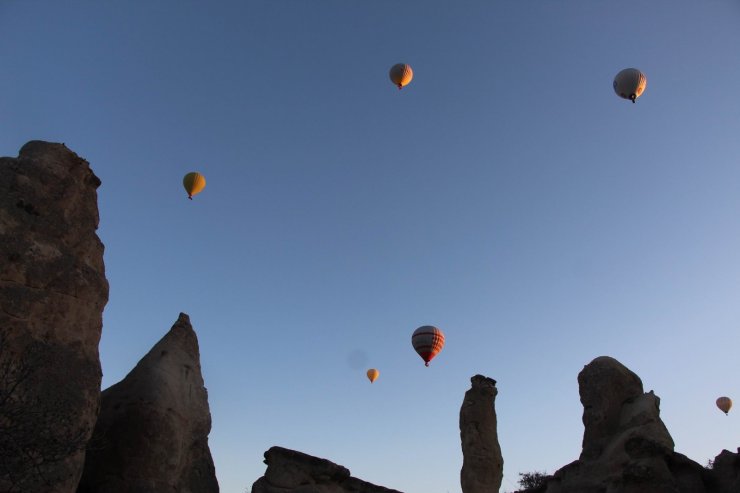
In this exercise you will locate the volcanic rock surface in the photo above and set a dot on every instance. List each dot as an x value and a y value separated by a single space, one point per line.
152 433
289 471
52 294
483 465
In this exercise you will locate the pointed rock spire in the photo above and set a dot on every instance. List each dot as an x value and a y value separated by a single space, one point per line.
152 433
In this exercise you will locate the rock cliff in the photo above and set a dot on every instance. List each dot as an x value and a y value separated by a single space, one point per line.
52 294
289 471
152 433
483 465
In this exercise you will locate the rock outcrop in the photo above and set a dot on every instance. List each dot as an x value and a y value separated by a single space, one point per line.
483 465
152 433
626 446
726 471
289 471
52 294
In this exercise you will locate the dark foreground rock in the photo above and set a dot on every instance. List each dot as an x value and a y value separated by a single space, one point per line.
726 471
52 294
289 471
626 446
483 465
152 433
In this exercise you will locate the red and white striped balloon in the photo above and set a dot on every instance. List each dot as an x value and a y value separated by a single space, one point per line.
428 341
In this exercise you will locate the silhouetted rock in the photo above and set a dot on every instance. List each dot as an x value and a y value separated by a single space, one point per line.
483 465
52 294
726 471
289 471
152 433
605 385
626 446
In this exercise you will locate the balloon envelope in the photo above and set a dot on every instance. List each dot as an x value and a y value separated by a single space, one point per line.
401 74
428 341
372 374
194 183
724 403
630 83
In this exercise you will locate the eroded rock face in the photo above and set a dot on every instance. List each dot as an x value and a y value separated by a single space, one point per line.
52 294
483 465
604 386
626 446
289 471
152 433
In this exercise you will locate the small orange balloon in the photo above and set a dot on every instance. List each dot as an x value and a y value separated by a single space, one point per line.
372 374
401 74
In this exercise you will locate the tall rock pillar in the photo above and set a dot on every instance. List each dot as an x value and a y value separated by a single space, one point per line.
483 465
52 294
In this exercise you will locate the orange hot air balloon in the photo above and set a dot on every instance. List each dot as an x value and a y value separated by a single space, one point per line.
428 341
372 374
724 404
401 74
194 183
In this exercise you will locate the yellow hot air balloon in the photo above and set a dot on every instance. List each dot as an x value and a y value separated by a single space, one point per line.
194 183
401 74
630 84
373 374
724 404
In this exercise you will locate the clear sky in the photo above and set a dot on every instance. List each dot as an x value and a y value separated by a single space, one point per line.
507 196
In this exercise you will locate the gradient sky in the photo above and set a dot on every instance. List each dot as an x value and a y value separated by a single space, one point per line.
507 196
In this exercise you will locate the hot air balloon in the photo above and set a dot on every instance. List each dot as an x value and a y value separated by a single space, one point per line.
372 374
630 83
428 341
194 183
401 74
724 404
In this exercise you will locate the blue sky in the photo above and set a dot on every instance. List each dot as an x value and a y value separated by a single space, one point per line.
507 196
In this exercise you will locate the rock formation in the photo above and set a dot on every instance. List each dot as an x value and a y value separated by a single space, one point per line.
626 446
726 471
289 471
52 294
483 465
152 433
